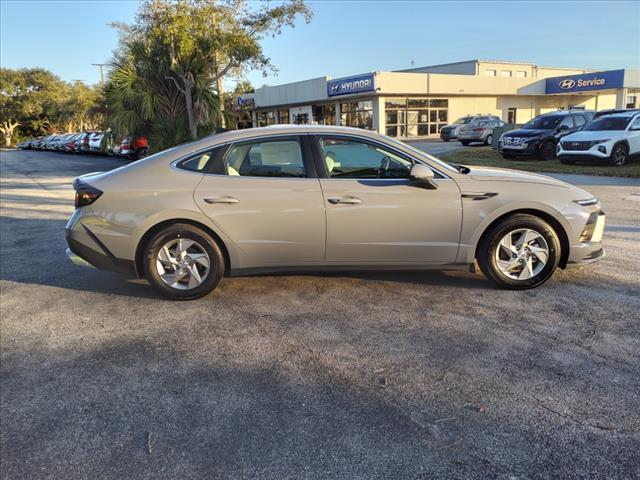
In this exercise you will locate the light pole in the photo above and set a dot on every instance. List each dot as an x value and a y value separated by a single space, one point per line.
101 65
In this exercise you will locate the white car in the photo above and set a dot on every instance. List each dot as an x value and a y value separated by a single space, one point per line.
94 142
613 138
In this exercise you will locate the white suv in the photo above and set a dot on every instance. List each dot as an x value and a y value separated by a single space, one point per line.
614 137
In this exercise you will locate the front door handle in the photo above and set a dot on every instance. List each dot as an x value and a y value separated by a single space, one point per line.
345 201
228 200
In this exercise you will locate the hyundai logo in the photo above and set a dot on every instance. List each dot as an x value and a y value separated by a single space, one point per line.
567 83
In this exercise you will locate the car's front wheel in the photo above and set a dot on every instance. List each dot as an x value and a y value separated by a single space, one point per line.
619 155
183 262
548 150
464 142
519 252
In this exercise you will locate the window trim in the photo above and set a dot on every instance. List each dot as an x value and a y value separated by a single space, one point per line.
314 139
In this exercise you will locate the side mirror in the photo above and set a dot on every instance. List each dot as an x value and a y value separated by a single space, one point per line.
422 176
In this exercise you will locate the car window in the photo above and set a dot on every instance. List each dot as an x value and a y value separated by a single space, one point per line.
566 122
197 163
277 158
579 120
635 125
353 158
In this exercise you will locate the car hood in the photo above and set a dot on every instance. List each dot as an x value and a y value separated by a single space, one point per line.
586 135
507 175
520 132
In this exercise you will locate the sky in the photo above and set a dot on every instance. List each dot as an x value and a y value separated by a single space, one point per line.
349 37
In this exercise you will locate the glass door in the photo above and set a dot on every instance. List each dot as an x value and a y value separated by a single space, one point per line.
412 123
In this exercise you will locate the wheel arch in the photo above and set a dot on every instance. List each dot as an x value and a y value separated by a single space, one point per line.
558 227
139 253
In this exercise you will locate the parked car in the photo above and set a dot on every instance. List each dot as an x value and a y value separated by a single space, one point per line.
25 145
133 149
450 132
613 137
95 140
478 131
539 137
84 143
289 198
610 111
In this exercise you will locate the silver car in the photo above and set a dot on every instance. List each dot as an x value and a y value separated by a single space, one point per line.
304 198
478 131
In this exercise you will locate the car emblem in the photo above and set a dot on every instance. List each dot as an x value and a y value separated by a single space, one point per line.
567 83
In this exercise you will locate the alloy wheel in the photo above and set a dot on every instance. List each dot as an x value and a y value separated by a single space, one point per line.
182 264
619 156
522 254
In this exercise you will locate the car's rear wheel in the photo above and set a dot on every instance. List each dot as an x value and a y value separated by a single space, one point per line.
183 262
464 142
143 152
488 140
619 155
548 150
521 251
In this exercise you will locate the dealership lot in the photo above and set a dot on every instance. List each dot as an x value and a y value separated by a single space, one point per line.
369 375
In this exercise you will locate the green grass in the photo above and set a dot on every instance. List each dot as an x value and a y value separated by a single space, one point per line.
487 157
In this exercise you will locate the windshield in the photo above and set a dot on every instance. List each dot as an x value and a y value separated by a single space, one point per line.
463 121
609 123
543 123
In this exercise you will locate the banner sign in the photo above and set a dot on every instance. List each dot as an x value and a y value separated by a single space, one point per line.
585 82
246 102
345 86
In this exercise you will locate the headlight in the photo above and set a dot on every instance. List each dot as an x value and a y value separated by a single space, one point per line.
587 201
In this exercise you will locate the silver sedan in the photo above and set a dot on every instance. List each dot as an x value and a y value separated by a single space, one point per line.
305 198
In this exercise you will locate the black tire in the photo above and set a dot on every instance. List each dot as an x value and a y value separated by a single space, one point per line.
566 161
490 243
143 152
619 155
548 150
185 232
465 142
488 140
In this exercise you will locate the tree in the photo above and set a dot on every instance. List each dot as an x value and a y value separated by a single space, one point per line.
28 97
198 42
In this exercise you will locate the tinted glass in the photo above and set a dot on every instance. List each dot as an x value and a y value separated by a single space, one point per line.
609 123
351 158
579 120
548 122
280 158
197 163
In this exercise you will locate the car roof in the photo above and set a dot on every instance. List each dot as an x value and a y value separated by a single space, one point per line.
621 114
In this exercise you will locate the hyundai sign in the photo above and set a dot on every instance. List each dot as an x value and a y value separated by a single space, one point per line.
585 82
345 86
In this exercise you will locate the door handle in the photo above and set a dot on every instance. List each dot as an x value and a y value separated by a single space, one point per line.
228 200
345 201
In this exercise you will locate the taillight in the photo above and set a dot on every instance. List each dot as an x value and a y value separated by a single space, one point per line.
85 194
478 129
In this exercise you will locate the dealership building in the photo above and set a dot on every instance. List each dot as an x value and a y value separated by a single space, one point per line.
419 101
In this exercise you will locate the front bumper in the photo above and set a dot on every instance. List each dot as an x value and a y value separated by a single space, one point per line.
590 250
448 134
526 149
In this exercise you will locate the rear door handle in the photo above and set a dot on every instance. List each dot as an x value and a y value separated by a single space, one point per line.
345 201
228 200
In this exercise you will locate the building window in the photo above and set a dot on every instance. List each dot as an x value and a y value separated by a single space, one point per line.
511 116
283 116
357 114
415 117
521 74
324 114
266 118
489 73
505 73
631 101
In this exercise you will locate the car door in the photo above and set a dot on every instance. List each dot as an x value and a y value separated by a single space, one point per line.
264 195
375 215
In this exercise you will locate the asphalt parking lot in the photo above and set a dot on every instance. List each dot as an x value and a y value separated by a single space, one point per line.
363 376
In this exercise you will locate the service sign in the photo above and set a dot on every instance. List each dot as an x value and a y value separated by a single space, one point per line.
345 86
585 82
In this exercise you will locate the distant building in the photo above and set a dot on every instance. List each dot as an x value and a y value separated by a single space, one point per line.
419 101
